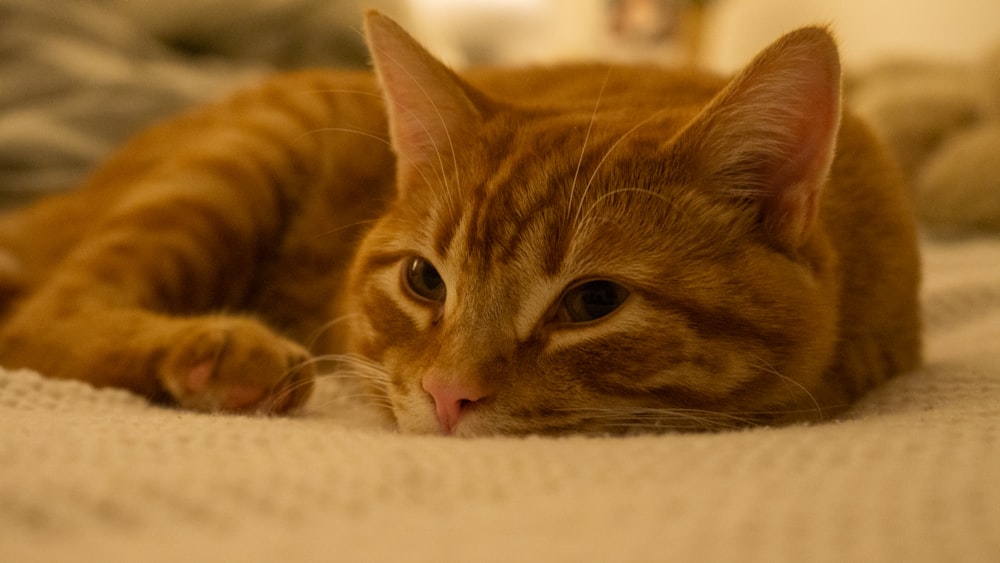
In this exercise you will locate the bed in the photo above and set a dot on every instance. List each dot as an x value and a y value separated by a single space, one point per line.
912 473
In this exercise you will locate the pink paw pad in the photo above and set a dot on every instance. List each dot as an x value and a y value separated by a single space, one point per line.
198 378
232 398
241 398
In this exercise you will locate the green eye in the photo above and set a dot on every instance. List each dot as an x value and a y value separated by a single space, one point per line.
591 300
423 280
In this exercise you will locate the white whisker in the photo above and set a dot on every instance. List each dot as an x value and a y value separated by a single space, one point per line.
344 227
659 417
789 383
318 333
361 132
586 218
586 140
607 154
366 93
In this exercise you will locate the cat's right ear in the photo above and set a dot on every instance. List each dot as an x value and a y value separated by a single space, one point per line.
430 108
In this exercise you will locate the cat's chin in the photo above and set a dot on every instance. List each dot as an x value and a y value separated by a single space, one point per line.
415 425
412 419
426 423
429 426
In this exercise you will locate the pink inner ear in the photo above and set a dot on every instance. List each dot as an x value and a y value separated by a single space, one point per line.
427 103
813 128
799 180
773 131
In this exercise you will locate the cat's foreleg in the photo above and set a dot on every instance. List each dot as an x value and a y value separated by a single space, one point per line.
190 222
135 303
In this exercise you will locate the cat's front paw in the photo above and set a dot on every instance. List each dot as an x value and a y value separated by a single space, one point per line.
235 364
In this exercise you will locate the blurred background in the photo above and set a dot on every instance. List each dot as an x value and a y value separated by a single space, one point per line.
720 34
78 77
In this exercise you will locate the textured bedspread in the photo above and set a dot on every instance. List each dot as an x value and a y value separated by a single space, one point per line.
913 474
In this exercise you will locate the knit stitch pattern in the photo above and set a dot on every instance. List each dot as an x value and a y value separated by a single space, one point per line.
911 474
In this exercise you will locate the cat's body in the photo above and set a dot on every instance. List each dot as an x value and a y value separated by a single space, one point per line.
583 248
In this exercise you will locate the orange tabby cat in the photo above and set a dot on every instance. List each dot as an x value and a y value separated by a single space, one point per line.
581 248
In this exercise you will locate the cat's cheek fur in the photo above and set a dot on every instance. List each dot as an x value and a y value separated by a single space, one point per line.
412 407
379 330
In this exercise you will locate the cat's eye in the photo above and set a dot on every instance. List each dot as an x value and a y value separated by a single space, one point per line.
591 300
423 280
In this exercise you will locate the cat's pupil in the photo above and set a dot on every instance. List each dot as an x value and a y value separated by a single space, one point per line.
424 280
592 300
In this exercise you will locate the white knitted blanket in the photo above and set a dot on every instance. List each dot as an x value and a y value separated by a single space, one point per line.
913 474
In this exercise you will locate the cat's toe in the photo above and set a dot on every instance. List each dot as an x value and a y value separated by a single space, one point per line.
296 387
236 365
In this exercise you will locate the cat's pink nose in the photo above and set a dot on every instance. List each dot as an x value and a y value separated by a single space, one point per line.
451 398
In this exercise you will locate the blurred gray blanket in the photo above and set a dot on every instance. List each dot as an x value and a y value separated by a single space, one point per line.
77 78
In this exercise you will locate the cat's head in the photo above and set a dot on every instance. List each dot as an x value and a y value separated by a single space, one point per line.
555 265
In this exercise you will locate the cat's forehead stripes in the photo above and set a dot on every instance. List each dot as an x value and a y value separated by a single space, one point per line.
527 204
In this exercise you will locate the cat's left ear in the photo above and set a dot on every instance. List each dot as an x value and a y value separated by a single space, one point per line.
771 134
430 108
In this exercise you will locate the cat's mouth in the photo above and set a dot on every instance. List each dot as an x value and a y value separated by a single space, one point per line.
488 419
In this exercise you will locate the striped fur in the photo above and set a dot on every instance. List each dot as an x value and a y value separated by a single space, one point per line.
765 242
